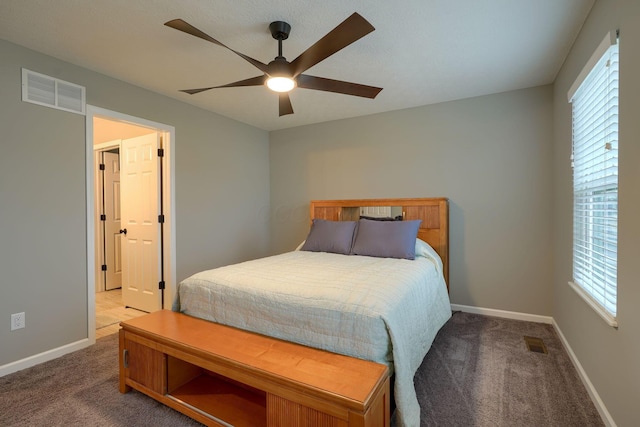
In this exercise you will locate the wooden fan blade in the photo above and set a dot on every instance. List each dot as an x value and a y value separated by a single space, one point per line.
194 91
351 29
185 27
253 81
337 86
284 104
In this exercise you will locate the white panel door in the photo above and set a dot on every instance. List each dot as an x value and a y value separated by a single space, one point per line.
140 185
113 253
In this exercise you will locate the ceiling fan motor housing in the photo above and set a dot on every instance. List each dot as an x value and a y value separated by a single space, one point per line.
280 30
279 67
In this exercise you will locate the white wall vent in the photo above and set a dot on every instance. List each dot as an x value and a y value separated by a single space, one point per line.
51 92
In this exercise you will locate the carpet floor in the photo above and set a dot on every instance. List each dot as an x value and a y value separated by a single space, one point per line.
478 373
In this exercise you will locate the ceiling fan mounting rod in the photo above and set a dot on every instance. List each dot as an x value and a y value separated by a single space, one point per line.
280 31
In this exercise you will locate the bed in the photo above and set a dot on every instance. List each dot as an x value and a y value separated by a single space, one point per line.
379 306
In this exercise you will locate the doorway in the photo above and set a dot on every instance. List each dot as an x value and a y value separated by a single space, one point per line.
116 141
107 212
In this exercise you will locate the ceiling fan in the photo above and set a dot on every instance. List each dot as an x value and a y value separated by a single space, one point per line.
281 75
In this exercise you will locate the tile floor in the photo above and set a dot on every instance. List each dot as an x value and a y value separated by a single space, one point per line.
109 305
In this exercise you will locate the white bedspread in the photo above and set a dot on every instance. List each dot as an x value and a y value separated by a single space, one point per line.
379 309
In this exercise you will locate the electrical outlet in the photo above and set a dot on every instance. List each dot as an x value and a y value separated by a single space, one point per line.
17 321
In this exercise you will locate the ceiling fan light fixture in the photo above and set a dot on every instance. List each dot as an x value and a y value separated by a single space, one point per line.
280 84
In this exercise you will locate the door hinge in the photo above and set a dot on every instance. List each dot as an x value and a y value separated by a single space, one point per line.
160 152
161 285
161 219
103 217
104 267
102 166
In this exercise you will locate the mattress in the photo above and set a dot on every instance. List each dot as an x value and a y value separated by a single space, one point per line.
380 309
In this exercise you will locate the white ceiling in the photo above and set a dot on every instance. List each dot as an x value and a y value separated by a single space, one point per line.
422 51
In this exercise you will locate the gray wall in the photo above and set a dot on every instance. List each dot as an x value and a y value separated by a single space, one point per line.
222 194
610 357
501 159
490 155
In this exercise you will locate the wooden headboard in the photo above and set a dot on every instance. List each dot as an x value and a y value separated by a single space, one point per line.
434 213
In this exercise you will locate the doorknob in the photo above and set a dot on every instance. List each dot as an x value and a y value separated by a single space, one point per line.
123 231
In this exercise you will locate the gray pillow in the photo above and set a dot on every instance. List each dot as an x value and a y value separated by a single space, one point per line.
330 236
386 239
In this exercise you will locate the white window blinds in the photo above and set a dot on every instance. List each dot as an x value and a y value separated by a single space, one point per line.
595 183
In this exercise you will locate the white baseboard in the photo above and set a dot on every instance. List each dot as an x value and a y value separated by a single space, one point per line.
595 397
502 313
36 359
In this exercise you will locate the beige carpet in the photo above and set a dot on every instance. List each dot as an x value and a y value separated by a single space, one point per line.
80 389
478 373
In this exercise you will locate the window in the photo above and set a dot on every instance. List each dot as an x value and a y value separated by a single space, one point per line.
594 99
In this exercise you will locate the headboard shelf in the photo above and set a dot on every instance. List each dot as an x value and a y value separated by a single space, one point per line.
434 213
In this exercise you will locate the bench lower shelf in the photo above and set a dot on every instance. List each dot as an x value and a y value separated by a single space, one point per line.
232 404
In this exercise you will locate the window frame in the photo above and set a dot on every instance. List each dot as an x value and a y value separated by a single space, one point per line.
585 290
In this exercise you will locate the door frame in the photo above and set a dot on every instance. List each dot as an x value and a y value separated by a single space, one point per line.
168 204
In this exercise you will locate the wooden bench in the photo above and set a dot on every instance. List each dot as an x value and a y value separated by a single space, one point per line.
223 376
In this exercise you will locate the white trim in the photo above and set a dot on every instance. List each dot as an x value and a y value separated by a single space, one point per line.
595 397
604 314
91 227
36 359
502 313
169 208
610 39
